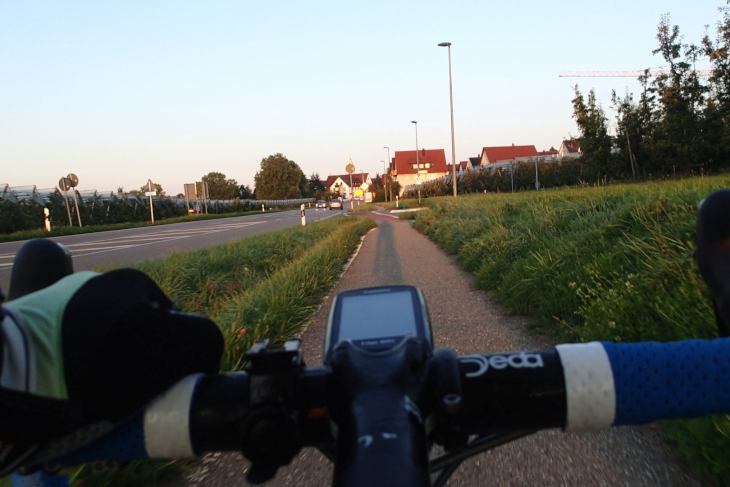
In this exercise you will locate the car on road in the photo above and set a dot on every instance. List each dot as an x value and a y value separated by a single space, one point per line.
336 203
320 204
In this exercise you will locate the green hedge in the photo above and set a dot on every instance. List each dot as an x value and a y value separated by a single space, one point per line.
28 214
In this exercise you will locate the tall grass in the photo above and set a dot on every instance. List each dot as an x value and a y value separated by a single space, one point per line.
205 280
612 263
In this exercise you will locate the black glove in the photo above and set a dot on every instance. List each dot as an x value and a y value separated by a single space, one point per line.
89 349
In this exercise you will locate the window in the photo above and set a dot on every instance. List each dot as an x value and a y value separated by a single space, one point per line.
413 166
406 177
420 166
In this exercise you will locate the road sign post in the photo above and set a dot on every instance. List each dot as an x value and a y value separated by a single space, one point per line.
151 192
65 185
75 182
350 168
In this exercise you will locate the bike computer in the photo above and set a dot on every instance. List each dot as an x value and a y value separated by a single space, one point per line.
378 318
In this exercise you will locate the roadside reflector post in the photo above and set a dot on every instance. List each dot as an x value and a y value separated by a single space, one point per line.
46 215
304 218
396 202
263 210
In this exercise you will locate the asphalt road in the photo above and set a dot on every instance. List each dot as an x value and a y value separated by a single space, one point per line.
136 244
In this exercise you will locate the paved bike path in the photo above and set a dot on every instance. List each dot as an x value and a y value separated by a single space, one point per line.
468 321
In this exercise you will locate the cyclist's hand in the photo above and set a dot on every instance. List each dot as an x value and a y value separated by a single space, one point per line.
91 349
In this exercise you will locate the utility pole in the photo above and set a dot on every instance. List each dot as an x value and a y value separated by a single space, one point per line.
418 174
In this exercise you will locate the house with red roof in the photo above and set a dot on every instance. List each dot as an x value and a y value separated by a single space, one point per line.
410 168
549 155
569 148
340 183
507 153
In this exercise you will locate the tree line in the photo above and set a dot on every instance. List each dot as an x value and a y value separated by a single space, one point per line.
678 124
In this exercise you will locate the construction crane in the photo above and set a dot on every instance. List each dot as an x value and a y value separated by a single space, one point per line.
624 74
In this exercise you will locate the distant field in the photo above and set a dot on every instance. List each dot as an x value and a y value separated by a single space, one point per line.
610 263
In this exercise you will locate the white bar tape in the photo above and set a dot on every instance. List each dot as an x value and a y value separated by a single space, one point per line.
167 422
589 386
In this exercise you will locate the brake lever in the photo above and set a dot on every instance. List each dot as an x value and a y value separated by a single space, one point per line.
712 253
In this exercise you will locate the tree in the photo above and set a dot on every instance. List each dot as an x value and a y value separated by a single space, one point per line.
279 178
220 188
377 183
315 184
595 143
245 193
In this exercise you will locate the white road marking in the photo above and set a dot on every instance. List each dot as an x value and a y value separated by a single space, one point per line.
84 249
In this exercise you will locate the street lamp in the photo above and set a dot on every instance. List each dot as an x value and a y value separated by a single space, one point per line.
386 178
451 100
418 174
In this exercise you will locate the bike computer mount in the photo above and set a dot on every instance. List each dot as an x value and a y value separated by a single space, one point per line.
377 319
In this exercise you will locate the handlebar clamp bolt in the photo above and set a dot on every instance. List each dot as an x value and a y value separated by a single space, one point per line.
452 403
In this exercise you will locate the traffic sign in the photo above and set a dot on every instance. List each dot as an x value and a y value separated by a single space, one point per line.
64 184
350 168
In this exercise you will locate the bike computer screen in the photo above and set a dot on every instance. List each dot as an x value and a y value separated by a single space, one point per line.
378 318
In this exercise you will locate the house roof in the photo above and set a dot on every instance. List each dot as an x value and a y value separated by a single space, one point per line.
551 152
405 159
475 161
572 145
463 165
357 179
507 152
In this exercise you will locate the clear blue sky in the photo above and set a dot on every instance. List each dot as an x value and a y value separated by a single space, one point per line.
119 92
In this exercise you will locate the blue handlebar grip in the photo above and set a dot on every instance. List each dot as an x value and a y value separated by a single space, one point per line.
160 431
670 380
123 444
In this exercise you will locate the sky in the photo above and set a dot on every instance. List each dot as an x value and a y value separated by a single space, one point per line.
120 92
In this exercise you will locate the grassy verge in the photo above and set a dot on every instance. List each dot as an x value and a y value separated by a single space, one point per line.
367 207
404 204
63 231
408 215
265 286
596 264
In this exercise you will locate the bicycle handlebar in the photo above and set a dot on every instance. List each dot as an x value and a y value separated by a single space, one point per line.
575 387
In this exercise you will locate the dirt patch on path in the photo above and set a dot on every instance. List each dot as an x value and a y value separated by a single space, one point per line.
468 321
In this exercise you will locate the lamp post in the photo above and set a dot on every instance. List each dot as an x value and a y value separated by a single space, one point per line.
451 100
386 177
418 174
